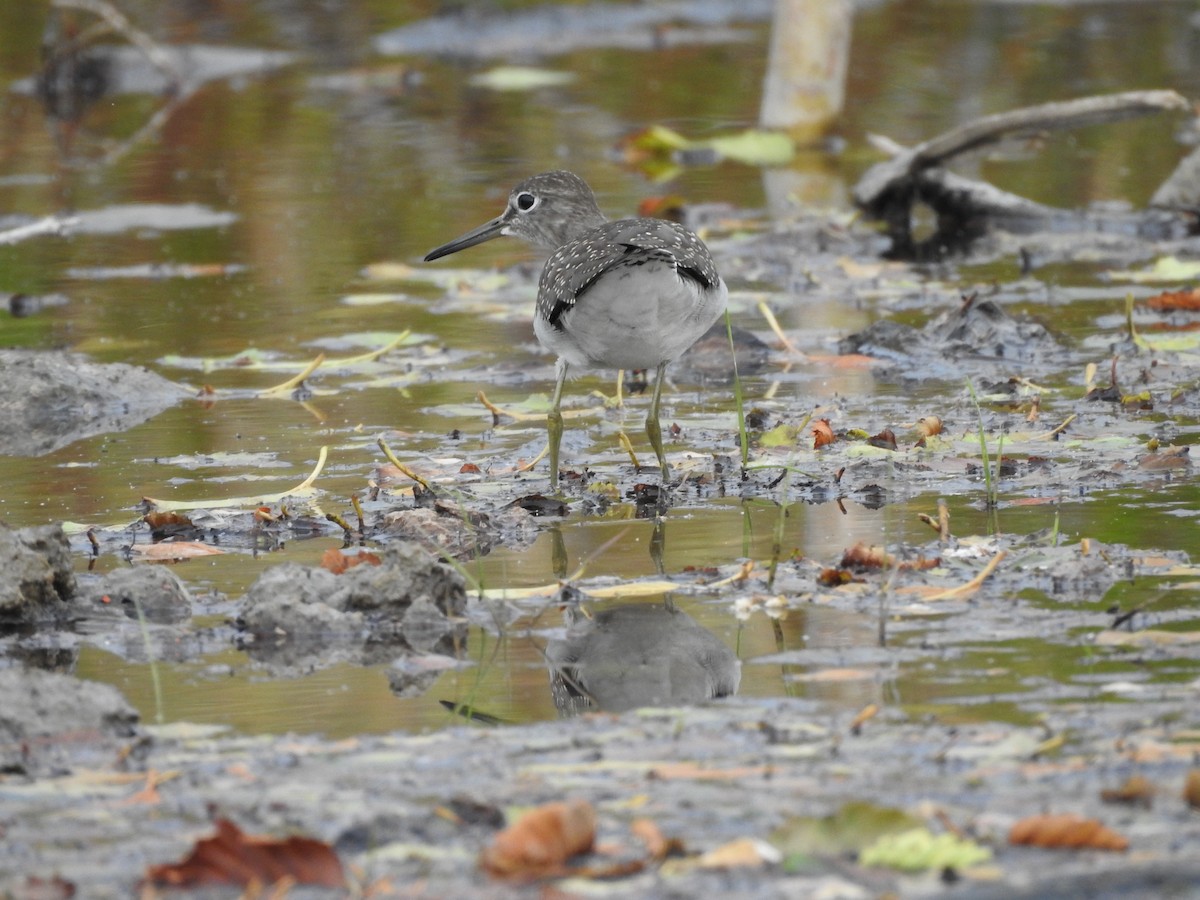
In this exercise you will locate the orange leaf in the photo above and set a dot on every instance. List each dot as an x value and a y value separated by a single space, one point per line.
1136 791
541 841
1191 789
1066 832
822 434
233 857
338 562
928 426
1169 300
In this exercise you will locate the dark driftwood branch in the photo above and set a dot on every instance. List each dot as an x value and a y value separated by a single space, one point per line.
889 189
115 21
883 177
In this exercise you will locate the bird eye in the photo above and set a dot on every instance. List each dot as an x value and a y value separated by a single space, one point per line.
526 201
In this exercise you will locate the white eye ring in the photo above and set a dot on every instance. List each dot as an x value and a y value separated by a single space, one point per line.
525 201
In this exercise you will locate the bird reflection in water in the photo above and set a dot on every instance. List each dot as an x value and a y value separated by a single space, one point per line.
643 654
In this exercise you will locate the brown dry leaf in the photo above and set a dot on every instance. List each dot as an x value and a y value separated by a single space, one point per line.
885 440
665 206
1167 458
834 577
171 550
160 521
1172 300
928 426
233 857
538 843
1191 789
866 556
1136 791
1066 832
469 469
338 562
822 434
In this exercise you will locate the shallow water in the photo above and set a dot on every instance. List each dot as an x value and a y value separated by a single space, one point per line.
280 187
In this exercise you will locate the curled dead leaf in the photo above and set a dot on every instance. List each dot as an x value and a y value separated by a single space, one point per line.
338 562
538 843
1171 300
233 857
1191 789
1066 832
866 556
885 440
822 434
1136 791
928 426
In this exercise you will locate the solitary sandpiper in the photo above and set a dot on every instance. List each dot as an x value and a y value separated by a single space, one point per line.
629 294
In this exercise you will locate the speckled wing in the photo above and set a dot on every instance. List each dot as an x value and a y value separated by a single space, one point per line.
575 266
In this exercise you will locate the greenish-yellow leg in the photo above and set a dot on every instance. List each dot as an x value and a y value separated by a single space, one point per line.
653 427
554 421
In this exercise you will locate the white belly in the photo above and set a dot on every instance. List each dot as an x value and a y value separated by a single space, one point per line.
634 317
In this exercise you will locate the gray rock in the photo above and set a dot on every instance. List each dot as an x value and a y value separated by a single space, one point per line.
37 581
163 598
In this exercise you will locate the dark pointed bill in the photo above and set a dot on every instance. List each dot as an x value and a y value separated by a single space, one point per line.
484 232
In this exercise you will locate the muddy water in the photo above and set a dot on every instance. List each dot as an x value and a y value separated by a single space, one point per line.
247 219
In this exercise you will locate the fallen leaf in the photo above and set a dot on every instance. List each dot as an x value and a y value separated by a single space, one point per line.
233 857
539 843
1136 791
1191 789
1170 300
866 556
928 426
1066 832
741 853
337 562
885 440
170 550
822 434
919 849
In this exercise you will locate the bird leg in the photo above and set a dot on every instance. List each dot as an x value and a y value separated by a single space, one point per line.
554 420
653 427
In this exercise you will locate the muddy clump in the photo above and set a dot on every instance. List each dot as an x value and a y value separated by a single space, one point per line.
157 592
37 584
49 400
300 616
51 722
